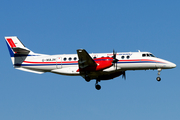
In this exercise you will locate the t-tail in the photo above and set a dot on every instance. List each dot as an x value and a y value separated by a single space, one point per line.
18 52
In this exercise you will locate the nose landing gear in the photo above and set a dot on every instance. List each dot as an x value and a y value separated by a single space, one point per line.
158 78
97 86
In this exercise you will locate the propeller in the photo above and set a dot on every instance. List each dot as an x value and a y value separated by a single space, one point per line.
124 75
115 60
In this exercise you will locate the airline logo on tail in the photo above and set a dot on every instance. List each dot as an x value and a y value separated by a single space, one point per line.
11 43
16 48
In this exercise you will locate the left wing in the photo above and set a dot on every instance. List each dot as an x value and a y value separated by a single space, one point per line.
85 61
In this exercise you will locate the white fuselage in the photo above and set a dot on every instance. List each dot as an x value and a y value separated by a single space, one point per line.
98 66
67 64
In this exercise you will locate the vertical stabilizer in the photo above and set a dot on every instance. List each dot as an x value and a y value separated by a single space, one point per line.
14 42
15 46
19 53
17 50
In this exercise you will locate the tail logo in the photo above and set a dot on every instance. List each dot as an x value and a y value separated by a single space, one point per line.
11 43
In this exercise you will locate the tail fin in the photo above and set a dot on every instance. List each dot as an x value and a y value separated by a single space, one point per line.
17 50
15 46
19 53
14 42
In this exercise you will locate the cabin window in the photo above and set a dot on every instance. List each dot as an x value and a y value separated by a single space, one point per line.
94 57
70 59
127 57
122 57
75 58
65 59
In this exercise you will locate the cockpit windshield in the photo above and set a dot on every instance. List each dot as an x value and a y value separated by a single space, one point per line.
152 55
147 55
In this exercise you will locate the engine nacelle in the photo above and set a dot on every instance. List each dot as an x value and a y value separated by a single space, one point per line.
102 63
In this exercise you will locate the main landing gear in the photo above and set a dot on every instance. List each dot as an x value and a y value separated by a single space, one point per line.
158 78
97 86
87 78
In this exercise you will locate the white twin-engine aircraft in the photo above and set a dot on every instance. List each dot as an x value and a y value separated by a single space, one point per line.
98 66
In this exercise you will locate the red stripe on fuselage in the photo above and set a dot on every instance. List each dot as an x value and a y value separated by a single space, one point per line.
133 60
11 43
49 62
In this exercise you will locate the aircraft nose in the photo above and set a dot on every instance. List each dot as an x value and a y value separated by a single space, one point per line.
173 65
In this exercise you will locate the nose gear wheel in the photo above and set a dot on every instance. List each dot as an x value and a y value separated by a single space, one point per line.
97 86
158 78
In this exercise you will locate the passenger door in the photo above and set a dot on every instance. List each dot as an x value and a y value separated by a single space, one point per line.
59 62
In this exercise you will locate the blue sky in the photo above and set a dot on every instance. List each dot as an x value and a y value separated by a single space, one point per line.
62 27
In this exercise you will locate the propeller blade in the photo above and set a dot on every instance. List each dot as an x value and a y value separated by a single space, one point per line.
114 54
114 59
124 75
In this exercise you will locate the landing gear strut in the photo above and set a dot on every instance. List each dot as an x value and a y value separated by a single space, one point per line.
97 86
87 78
158 78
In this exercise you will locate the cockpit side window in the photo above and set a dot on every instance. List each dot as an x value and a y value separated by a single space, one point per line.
143 55
147 55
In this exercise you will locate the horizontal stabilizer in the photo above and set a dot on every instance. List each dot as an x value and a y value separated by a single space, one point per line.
33 71
21 50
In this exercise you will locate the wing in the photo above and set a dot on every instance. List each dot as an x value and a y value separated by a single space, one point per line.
85 61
